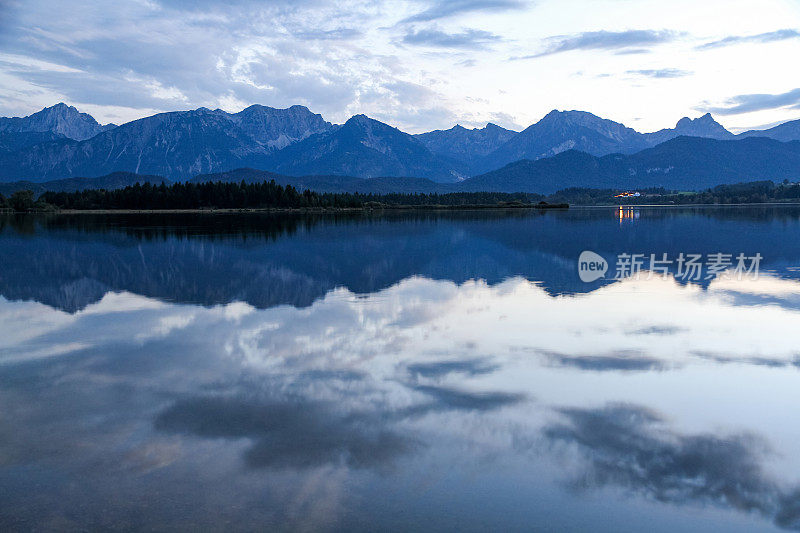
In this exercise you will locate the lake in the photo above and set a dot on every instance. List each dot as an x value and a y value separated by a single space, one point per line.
401 371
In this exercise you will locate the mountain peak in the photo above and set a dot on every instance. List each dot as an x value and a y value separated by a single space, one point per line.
363 121
704 126
61 109
583 118
568 113
60 118
262 107
278 128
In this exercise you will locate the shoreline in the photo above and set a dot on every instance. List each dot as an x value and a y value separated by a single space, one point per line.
293 210
743 204
477 207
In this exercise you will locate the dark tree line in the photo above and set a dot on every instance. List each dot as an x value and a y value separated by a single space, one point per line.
452 198
217 195
263 195
20 201
753 192
740 193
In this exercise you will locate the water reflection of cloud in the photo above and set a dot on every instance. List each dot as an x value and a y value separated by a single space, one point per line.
767 290
620 360
440 369
401 376
630 447
288 433
450 398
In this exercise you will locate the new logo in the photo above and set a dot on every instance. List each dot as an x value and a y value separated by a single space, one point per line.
591 266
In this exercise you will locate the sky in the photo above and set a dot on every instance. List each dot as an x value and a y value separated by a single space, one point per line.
418 65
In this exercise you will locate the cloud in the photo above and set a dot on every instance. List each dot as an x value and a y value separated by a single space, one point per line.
165 56
632 51
769 37
746 103
656 330
467 39
440 9
756 360
605 40
662 73
629 446
336 34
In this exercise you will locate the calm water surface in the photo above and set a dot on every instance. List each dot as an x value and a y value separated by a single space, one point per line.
426 371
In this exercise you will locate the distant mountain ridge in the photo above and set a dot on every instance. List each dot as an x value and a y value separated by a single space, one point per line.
176 145
560 131
60 142
363 147
682 163
332 184
704 126
116 180
465 145
60 119
786 132
278 128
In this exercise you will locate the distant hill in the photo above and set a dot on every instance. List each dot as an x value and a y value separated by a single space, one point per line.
116 180
683 163
332 184
788 131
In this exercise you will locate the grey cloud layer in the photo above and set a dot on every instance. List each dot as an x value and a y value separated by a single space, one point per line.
468 39
167 56
605 40
780 35
746 103
439 9
661 73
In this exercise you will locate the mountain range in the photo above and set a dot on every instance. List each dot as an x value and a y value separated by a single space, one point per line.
564 148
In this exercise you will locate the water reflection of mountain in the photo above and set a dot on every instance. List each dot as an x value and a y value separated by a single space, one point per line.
69 262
